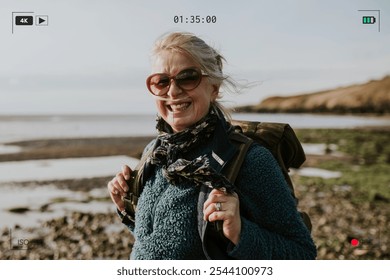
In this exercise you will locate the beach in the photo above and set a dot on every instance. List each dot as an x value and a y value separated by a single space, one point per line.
87 226
96 234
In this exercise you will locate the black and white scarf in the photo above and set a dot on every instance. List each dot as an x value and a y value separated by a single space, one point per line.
174 146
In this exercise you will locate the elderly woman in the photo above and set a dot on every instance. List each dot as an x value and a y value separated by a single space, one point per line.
193 133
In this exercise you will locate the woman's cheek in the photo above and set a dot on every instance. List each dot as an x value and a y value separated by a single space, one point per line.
162 110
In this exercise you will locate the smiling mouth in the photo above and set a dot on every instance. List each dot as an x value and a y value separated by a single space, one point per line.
179 107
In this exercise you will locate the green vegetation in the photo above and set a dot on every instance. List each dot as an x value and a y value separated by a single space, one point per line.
368 146
365 164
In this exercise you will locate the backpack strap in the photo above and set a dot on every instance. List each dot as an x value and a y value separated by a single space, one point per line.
136 185
243 143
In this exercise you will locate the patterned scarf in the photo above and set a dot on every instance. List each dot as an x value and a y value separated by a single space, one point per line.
173 146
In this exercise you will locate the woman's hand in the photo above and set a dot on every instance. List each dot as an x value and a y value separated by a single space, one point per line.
229 213
118 187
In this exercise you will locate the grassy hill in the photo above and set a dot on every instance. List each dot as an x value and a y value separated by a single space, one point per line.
371 97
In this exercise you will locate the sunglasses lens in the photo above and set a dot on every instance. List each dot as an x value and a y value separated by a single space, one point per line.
188 79
158 84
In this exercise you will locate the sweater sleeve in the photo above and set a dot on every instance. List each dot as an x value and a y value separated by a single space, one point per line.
275 229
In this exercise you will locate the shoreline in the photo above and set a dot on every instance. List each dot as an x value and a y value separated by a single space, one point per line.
77 147
133 146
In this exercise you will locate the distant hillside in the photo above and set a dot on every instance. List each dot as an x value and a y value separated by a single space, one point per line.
372 97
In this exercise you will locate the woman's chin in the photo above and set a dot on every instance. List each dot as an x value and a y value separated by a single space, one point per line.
179 125
179 122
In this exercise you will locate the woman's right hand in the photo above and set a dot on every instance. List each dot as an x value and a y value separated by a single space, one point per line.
118 187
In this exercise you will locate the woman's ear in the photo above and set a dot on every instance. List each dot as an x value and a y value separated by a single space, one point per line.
215 92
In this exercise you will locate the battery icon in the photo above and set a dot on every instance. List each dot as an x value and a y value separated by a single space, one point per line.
368 20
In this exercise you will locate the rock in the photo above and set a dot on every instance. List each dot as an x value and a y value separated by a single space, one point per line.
19 210
379 197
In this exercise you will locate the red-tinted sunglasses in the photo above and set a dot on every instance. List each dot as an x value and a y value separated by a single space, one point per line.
188 79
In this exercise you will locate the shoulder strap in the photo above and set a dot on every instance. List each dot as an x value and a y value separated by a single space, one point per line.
243 143
135 186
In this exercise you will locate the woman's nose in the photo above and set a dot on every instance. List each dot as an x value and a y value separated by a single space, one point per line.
174 90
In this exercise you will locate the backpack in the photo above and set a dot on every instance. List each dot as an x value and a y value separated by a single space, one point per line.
278 138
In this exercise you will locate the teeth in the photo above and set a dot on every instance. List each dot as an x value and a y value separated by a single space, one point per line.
179 107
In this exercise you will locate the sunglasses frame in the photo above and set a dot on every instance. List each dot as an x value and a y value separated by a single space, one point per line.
173 78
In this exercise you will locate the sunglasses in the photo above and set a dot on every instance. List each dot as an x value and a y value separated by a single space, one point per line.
188 79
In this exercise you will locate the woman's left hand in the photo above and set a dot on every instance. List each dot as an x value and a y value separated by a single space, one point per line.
229 213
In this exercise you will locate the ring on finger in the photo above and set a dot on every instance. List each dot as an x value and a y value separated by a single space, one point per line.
218 206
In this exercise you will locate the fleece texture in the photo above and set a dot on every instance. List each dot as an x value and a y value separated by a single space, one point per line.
166 219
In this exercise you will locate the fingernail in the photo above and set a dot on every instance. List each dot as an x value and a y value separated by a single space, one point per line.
127 177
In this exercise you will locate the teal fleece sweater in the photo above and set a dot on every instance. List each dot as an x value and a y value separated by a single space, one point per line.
166 218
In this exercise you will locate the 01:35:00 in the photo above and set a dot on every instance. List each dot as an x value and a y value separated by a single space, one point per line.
195 19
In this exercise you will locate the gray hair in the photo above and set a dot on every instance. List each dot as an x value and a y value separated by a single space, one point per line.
209 60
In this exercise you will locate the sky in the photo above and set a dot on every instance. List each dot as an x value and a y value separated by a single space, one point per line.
94 55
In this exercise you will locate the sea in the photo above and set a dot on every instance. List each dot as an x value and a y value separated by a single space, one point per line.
19 128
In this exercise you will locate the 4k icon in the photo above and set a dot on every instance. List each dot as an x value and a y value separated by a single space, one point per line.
23 20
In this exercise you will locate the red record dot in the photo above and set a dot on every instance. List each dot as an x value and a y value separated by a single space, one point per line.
354 242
